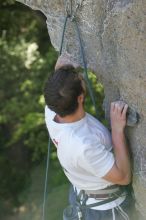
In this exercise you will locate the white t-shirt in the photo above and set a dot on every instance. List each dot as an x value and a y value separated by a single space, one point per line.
83 149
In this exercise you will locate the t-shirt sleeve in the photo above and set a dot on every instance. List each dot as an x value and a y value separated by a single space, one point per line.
49 115
97 159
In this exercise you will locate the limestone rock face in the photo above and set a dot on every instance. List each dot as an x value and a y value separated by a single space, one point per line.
114 37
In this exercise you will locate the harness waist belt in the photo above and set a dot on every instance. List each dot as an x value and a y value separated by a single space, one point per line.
111 191
107 190
104 196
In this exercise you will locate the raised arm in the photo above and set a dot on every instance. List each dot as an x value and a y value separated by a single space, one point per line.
65 59
121 170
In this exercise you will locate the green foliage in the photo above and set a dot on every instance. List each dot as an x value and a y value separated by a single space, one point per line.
7 2
10 184
24 68
22 105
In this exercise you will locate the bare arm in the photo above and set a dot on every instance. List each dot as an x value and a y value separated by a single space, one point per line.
121 171
65 59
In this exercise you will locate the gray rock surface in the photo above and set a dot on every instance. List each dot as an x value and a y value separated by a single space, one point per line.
114 36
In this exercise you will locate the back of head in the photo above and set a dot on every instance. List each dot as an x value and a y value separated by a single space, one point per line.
62 90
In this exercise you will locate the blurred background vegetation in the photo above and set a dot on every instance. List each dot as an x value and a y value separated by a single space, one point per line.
26 59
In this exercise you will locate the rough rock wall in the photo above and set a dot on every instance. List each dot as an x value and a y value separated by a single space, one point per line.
114 36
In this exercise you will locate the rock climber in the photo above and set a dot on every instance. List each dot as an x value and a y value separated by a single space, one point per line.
94 160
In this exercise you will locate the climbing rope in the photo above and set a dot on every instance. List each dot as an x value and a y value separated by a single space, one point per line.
70 14
46 180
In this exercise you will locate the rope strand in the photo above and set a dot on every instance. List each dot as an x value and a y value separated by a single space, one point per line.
113 213
46 179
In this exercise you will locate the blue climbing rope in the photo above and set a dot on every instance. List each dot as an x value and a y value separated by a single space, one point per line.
89 85
46 180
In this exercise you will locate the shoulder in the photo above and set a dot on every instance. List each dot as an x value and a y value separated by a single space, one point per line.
85 146
96 158
83 137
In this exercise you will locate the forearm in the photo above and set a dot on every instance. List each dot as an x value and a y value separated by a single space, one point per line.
121 153
65 59
120 173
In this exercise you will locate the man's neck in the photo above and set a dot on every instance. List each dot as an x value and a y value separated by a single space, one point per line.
78 115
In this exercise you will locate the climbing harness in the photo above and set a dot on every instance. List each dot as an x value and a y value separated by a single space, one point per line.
83 196
76 211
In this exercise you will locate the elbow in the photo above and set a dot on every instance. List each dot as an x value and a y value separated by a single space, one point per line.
125 180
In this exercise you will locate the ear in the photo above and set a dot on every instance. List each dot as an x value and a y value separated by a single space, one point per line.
81 98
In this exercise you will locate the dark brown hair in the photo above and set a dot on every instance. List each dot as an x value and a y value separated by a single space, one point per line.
62 90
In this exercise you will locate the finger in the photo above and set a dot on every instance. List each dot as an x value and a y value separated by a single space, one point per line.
112 106
117 108
125 110
121 102
121 106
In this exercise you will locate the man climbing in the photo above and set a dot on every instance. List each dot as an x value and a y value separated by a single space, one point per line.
84 145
